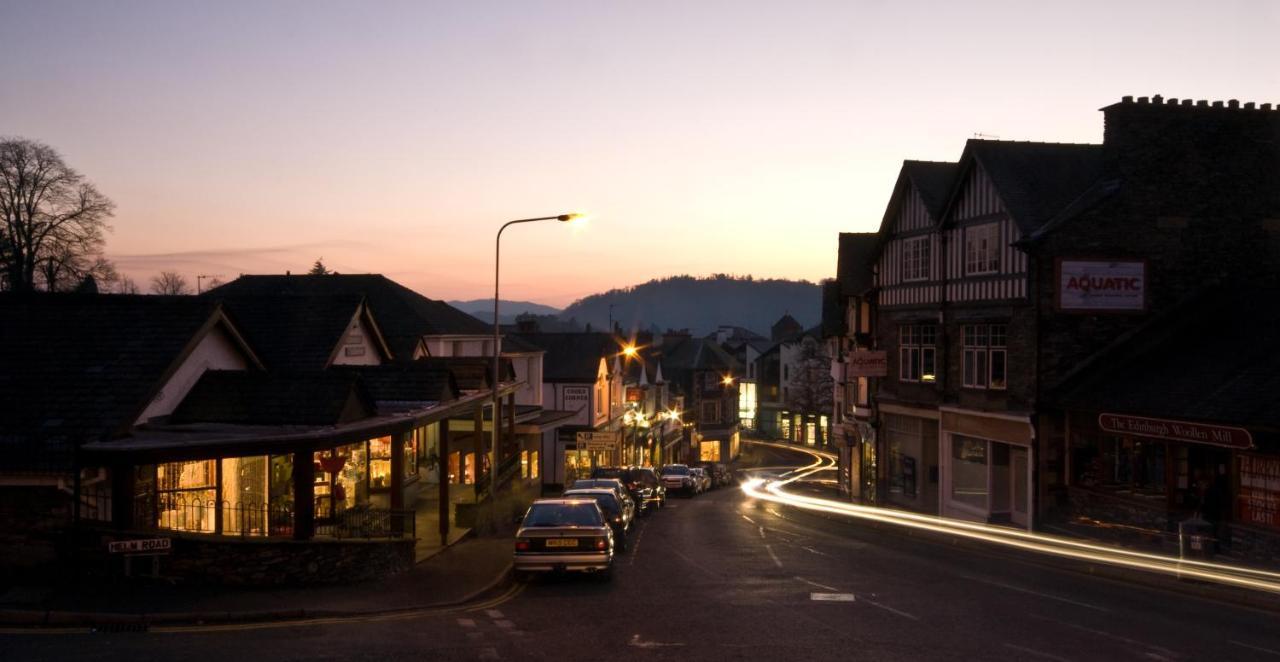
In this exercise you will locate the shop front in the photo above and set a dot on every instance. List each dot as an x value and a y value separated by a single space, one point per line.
985 463
909 438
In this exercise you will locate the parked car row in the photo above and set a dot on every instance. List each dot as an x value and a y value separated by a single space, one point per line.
589 524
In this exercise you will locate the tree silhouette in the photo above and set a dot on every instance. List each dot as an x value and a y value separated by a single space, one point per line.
169 282
318 269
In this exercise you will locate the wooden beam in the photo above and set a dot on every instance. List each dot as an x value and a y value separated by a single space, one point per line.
443 471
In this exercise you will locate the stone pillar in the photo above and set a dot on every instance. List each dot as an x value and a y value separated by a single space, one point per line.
444 481
304 495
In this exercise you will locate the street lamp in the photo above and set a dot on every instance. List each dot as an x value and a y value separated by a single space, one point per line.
497 342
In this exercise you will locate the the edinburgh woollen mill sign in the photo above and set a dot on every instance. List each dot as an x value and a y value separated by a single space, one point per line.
1159 428
1101 286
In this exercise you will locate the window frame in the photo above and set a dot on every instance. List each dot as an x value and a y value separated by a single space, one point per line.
982 260
980 344
917 346
917 258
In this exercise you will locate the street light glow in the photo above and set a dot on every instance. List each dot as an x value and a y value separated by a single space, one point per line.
629 351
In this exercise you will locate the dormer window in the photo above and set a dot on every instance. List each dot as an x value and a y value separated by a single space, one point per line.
915 258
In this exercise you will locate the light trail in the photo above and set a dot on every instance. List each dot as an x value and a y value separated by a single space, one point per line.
773 490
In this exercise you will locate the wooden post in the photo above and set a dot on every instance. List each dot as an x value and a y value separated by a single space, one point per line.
481 447
304 495
397 470
443 471
122 486
511 424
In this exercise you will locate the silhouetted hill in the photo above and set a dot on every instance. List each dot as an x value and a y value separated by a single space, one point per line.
702 304
483 309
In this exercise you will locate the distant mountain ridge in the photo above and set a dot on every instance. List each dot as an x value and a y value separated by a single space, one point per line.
701 304
507 310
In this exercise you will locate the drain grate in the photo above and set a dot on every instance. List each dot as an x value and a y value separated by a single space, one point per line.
113 628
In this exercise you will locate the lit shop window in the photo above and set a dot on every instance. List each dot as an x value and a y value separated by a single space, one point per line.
380 462
186 495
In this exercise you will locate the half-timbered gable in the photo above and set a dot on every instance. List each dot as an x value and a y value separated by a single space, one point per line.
909 270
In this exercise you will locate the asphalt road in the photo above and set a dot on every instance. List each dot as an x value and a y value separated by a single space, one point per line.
723 576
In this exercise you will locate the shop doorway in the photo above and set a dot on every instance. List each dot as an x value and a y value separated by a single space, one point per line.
1018 486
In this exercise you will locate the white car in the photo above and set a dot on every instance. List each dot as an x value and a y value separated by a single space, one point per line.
678 478
701 479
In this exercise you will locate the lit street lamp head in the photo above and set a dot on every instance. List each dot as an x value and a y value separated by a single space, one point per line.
565 218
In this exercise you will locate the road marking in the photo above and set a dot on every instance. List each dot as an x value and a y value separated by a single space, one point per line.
761 533
466 622
1035 653
775 513
489 653
636 642
816 584
832 597
493 613
635 548
504 624
1108 635
1035 593
813 551
1260 649
773 556
891 610
748 519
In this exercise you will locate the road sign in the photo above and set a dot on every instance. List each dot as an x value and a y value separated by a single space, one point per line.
148 546
597 441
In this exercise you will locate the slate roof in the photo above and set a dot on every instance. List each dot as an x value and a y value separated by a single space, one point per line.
292 332
694 354
420 381
573 357
833 309
1035 181
403 315
1217 362
933 180
86 366
469 373
856 259
245 397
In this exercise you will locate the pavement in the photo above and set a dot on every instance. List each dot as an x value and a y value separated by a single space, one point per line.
455 575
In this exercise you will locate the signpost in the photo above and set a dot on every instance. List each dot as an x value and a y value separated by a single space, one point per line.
598 442
150 547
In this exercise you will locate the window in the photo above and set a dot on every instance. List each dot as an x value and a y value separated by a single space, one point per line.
985 356
969 471
915 258
380 462
982 249
917 352
710 412
786 373
186 495
709 451
1135 466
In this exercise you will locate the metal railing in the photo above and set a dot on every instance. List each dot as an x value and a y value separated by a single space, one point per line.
194 515
363 522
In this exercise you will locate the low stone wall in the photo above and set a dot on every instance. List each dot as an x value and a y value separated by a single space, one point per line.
1107 508
198 559
1255 546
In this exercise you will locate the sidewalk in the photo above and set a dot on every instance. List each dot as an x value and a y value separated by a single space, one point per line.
460 572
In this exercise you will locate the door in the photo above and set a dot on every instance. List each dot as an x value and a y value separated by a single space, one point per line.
1018 486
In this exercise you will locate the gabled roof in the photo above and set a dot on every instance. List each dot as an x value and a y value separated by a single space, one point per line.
572 357
692 354
1233 379
1035 181
856 261
86 366
931 179
245 397
403 315
299 332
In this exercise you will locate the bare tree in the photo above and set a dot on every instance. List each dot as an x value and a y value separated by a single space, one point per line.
126 286
52 220
811 389
169 282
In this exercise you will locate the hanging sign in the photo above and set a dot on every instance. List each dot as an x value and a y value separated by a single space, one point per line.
865 363
597 441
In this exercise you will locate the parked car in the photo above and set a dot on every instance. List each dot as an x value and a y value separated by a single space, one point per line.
614 484
719 474
642 484
702 481
615 511
676 477
564 535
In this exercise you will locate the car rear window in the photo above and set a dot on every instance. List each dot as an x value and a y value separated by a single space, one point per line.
562 514
608 503
608 472
675 471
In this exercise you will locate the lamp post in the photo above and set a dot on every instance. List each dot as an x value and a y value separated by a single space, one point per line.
497 343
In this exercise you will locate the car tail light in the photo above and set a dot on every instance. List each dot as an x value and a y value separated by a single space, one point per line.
602 543
522 545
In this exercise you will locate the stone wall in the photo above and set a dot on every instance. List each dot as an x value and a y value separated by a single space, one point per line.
200 559
1254 545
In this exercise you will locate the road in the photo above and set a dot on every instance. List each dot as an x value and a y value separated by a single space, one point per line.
725 576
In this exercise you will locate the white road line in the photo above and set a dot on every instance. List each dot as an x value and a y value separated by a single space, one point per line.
635 548
1035 653
762 533
1260 649
1035 593
636 642
493 613
813 551
891 610
748 519
773 556
832 597
816 584
504 624
1108 635
775 513
466 622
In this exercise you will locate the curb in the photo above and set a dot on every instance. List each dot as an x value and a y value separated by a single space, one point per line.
34 619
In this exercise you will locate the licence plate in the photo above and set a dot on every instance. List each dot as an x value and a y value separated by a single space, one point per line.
562 542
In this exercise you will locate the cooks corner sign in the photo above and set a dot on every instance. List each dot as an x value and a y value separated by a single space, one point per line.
1102 286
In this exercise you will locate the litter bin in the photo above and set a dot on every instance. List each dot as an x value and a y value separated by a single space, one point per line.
1195 539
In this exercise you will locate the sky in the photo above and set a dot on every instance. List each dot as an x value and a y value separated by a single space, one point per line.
701 137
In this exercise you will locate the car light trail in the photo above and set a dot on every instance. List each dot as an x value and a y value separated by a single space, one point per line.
773 490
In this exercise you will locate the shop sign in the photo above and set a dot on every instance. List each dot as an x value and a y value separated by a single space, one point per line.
576 397
634 394
867 364
1193 433
148 546
597 441
1259 496
1102 286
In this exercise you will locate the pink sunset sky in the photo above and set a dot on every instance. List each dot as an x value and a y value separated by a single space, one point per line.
702 137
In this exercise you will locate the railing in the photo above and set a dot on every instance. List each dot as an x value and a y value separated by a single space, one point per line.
361 522
177 513
506 470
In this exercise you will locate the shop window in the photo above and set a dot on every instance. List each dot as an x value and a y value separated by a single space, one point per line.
915 258
709 451
982 249
1121 464
904 443
469 469
186 495
380 463
985 359
244 496
280 495
917 352
524 464
969 471
534 471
